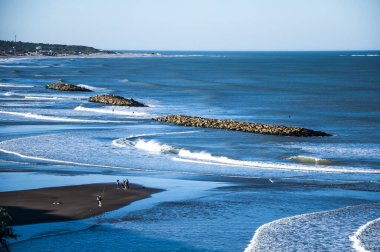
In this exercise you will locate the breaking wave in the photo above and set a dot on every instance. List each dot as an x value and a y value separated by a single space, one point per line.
327 231
15 85
92 88
153 146
310 160
45 97
54 118
114 111
123 142
42 98
184 155
365 55
340 150
356 238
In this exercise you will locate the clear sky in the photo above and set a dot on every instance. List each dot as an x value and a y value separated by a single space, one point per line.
246 25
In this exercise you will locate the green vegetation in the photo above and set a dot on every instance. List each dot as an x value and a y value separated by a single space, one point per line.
6 232
11 48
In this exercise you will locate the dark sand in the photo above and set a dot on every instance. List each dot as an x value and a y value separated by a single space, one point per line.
77 202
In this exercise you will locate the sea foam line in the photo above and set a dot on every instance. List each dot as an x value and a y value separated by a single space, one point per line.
123 142
255 240
15 85
60 161
184 155
113 111
365 55
355 238
92 88
59 119
41 96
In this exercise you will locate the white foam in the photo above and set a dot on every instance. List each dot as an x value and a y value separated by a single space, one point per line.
48 97
124 80
113 110
60 161
211 159
365 55
42 98
54 118
355 238
153 146
123 142
207 158
92 88
326 227
345 150
15 85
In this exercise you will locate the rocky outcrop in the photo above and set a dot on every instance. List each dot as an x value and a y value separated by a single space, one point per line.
67 87
116 100
258 128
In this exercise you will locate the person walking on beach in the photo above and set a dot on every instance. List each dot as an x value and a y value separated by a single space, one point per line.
127 184
99 199
118 184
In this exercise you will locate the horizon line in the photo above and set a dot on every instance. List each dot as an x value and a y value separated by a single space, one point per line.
203 50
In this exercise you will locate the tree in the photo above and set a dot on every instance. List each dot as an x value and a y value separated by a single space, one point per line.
5 230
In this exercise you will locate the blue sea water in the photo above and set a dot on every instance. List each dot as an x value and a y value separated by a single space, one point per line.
236 183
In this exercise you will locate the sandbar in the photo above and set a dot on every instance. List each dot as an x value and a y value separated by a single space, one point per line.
66 203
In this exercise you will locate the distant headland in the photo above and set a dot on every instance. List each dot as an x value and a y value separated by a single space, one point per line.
12 48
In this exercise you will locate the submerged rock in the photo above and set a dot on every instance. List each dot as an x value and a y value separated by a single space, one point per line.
67 87
116 100
257 128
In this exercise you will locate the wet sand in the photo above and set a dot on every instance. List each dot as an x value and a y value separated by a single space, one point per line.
75 202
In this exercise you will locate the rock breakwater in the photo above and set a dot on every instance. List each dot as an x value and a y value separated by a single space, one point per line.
67 87
116 100
258 128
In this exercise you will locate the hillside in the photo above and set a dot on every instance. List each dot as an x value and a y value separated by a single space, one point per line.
11 48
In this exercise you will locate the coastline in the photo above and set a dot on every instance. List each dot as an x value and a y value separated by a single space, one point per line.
92 55
76 202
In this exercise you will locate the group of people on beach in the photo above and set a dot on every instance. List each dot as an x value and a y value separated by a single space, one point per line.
124 185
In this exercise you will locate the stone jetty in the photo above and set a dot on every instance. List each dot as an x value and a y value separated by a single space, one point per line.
258 128
116 100
61 86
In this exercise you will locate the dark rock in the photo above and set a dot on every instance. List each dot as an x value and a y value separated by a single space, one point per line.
67 87
257 128
116 100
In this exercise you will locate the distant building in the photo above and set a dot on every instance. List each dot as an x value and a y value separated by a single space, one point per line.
38 49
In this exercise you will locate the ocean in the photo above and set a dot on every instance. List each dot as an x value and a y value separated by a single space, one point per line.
224 190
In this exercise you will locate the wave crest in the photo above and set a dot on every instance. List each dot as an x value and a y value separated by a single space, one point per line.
153 146
184 155
92 88
310 160
15 85
329 230
54 118
113 110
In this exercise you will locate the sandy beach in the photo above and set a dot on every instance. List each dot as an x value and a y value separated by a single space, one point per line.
74 202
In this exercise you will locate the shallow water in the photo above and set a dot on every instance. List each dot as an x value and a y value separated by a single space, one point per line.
265 178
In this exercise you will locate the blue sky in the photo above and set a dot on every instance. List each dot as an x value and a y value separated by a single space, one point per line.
245 25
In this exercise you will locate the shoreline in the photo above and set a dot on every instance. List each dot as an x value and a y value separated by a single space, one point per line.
93 55
75 202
